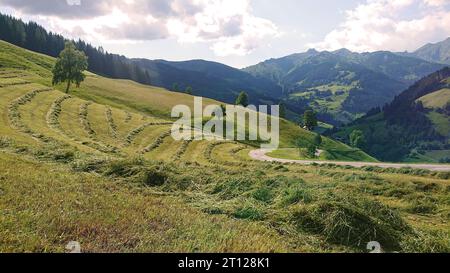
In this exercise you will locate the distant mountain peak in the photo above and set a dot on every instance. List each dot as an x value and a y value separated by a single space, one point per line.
312 51
437 52
342 51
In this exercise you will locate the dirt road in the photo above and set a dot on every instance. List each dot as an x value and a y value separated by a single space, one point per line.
261 155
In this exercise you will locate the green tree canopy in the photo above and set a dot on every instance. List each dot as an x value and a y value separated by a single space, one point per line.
242 99
175 87
311 151
69 66
318 140
357 139
310 119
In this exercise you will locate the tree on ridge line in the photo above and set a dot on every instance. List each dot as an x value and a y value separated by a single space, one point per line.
69 66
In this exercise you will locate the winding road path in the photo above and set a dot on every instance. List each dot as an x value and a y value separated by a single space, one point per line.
261 155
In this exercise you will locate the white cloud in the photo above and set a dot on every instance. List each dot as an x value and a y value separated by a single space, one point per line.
228 24
382 25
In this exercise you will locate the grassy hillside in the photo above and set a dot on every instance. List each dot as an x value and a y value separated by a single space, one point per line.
99 167
436 100
414 127
137 98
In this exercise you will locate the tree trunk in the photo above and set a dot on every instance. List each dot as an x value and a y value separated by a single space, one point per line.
68 87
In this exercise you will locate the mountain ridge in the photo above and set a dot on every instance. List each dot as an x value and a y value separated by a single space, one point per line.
342 85
434 52
406 129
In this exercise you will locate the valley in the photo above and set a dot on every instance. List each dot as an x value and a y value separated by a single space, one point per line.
342 86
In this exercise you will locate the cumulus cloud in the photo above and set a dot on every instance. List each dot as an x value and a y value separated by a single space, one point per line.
383 25
228 25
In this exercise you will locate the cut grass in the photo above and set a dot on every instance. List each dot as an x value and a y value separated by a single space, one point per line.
97 213
436 99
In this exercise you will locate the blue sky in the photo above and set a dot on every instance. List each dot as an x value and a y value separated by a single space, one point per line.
240 32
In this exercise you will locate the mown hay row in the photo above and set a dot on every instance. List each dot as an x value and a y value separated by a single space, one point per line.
15 117
182 150
236 150
2 85
128 117
210 148
133 134
156 143
55 112
86 125
112 125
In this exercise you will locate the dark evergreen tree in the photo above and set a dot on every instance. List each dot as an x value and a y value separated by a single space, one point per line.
310 119
242 99
34 37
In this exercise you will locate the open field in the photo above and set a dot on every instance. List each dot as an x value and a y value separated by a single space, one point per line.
97 166
436 99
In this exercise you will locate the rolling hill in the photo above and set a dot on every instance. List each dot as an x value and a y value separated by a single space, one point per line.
414 127
342 85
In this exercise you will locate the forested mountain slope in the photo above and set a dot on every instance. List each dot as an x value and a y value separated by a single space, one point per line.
342 85
414 127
